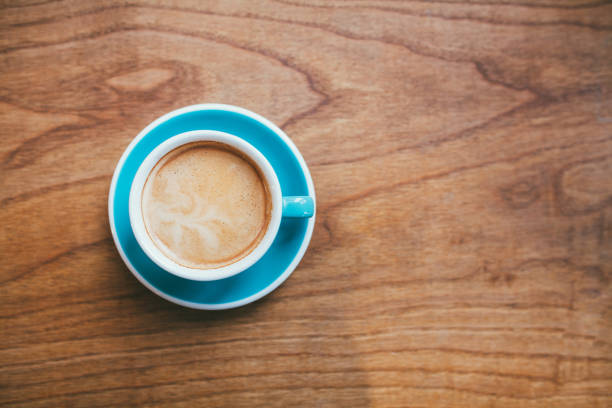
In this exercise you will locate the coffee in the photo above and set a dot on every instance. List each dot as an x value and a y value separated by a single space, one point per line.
206 205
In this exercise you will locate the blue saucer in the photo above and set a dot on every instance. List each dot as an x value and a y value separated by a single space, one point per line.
290 243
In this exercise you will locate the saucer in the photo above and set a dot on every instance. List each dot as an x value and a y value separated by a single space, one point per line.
289 245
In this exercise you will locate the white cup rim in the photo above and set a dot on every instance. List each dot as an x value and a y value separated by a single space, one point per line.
137 220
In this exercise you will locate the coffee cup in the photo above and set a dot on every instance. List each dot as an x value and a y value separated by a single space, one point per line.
206 205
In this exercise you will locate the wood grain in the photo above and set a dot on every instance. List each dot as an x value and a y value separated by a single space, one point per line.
462 157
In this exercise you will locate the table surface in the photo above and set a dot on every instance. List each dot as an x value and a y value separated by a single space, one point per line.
462 158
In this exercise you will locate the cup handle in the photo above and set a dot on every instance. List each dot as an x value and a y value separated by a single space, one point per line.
298 207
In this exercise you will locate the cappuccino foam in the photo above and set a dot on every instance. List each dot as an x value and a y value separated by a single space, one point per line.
205 205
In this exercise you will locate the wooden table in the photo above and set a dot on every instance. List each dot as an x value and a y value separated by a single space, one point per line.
462 157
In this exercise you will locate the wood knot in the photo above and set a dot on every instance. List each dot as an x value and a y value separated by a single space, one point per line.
508 278
521 194
142 80
584 187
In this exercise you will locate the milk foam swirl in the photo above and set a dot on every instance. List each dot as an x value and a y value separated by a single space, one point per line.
205 205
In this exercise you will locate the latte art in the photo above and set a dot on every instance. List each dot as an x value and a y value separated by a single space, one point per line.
205 205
